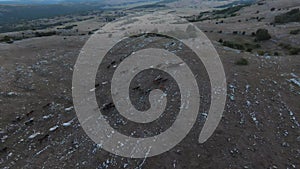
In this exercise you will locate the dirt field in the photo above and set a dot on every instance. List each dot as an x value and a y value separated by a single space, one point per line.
259 128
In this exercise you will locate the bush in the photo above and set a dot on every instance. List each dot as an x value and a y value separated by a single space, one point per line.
262 34
242 62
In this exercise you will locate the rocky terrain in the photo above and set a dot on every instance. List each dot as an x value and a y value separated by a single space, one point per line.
260 124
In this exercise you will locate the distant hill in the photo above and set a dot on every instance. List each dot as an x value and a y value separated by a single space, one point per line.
39 2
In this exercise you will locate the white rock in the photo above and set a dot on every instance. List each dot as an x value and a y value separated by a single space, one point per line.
67 124
53 128
12 94
47 117
295 81
69 108
34 135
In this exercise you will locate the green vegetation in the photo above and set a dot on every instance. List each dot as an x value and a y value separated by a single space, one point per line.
41 34
292 50
68 27
291 16
7 39
156 5
276 54
295 32
261 52
242 62
262 34
234 45
230 10
217 14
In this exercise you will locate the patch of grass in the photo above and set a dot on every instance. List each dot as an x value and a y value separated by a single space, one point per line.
249 47
217 14
242 62
261 52
291 16
68 27
230 10
233 45
292 50
41 34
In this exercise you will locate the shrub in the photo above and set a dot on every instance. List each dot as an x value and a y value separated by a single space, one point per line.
242 62
262 34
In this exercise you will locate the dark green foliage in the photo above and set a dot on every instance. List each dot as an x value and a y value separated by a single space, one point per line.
291 16
157 5
230 10
7 39
261 52
262 34
249 49
242 62
68 27
233 45
217 14
41 34
295 32
292 50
